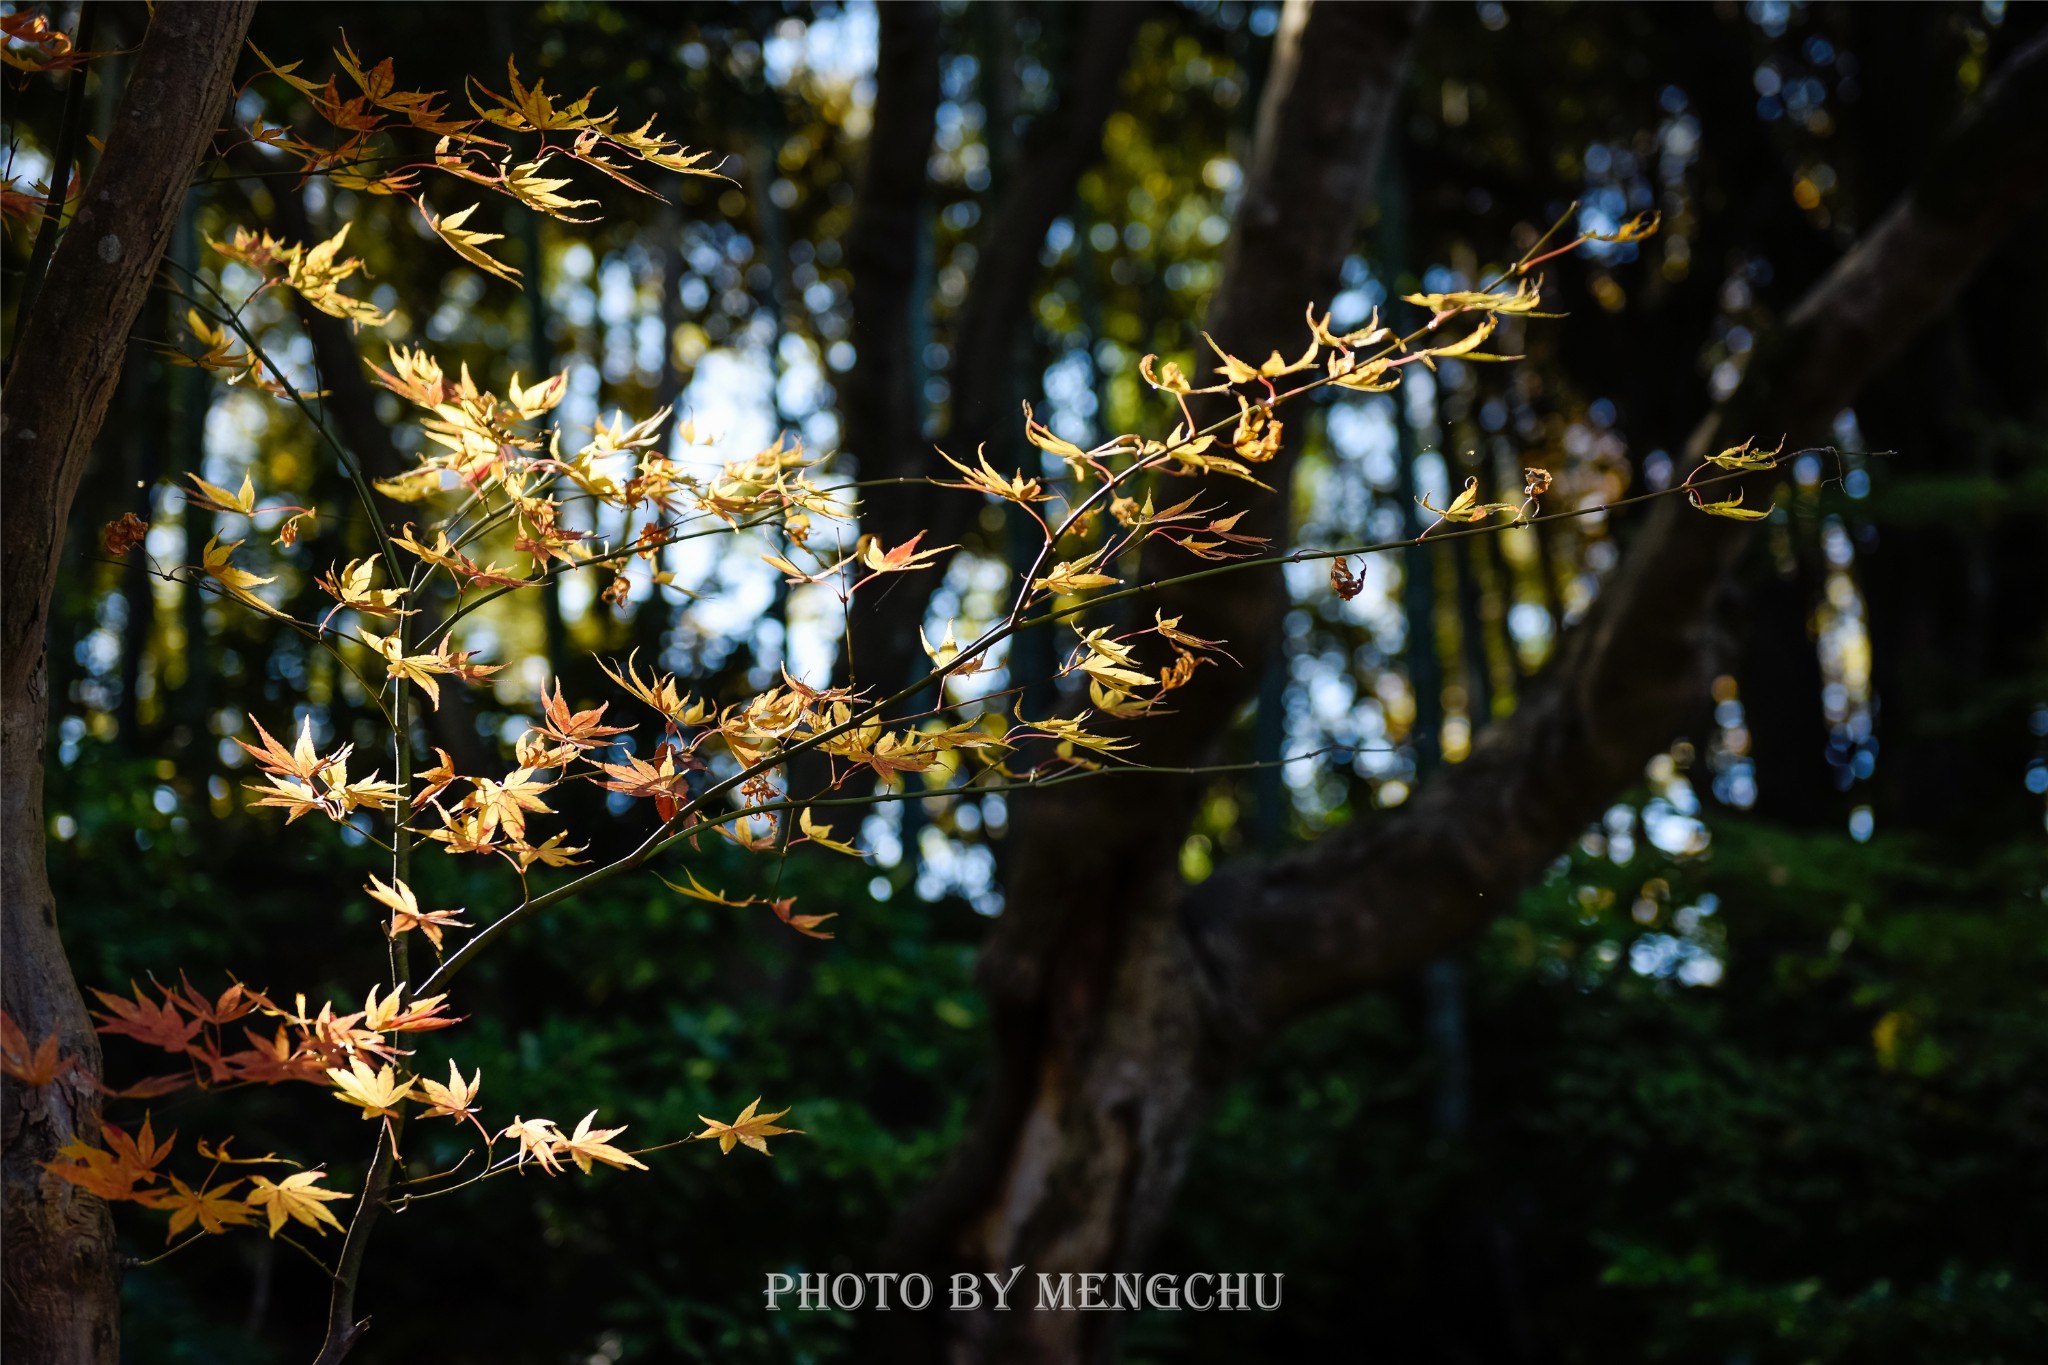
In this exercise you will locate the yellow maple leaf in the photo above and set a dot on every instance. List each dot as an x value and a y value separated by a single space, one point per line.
350 587
550 852
214 560
1042 436
1111 662
532 110
1745 456
1070 730
505 804
537 1141
218 499
1016 488
406 914
1731 508
1071 576
1463 346
1466 507
1169 377
1272 367
295 1197
455 1100
821 835
1527 296
376 1091
1367 335
947 650
658 690
419 669
749 1128
587 1145
1644 224
317 275
415 485
526 184
470 245
697 891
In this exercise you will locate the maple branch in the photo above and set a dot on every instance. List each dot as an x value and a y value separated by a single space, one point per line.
1110 482
1014 622
315 634
401 732
668 834
628 551
130 1263
229 316
343 1329
1305 556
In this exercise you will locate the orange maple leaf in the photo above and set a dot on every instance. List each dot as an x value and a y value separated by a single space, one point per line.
36 1065
806 925
213 1208
158 1025
904 557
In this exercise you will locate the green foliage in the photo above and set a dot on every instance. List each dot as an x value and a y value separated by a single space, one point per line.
1828 1155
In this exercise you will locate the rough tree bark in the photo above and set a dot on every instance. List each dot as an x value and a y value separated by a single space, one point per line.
1121 999
61 1298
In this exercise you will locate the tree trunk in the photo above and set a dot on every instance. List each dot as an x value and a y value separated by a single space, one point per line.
1106 1056
61 1291
1122 1000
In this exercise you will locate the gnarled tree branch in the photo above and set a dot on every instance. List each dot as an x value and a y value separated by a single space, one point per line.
1384 896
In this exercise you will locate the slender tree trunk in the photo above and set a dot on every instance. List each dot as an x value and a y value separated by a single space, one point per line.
881 407
1121 999
61 1296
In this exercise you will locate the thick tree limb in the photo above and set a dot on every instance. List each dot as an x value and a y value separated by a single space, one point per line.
61 1304
1384 896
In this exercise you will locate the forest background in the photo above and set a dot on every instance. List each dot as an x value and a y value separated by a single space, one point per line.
1752 1068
